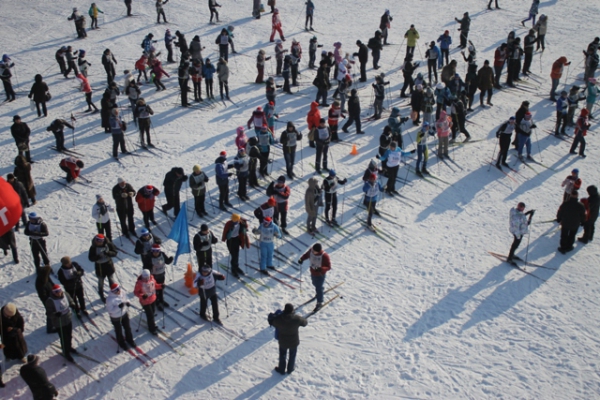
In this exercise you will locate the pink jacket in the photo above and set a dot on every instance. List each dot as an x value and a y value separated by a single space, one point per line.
158 71
276 21
337 52
241 139
146 288
443 125
85 85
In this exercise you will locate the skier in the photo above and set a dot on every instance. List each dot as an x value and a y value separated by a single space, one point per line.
363 58
533 11
312 53
222 177
562 106
379 96
330 185
556 74
310 10
203 241
128 6
321 81
182 44
35 377
158 262
212 6
281 193
395 122
571 183
101 253
145 291
254 153
313 199
518 226
322 137
206 281
117 129
504 134
265 141
573 98
146 197
295 58
100 214
289 139
223 76
570 215
13 343
411 37
276 26
280 51
109 61
267 231
241 162
93 13
70 276
5 75
195 72
524 136
58 308
43 287
115 306
223 40
319 265
334 115
141 113
591 204
372 189
39 94
143 247
353 112
443 126
432 55
56 127
183 75
160 11
422 150
267 209
236 237
37 230
20 132
208 71
442 96
458 121
123 193
172 183
197 183
445 40
581 128
384 25
71 66
392 158
79 21
485 82
465 26
286 325
271 115
376 46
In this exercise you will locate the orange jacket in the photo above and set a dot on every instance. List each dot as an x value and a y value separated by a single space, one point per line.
557 67
314 115
70 163
148 288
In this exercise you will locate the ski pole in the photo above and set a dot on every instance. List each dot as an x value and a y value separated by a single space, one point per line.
334 291
211 200
398 52
301 158
120 324
493 154
206 300
527 252
226 306
331 156
343 200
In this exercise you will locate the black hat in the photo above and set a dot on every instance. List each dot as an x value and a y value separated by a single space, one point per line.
288 309
16 117
203 227
9 177
281 179
317 247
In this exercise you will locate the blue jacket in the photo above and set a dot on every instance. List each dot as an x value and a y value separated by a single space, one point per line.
367 189
442 95
562 105
168 39
208 70
445 41
270 114
310 7
387 153
221 168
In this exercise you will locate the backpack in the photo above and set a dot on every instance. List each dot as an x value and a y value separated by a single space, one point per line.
271 317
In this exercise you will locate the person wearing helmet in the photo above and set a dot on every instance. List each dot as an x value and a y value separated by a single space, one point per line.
37 230
205 281
267 232
581 128
58 308
145 291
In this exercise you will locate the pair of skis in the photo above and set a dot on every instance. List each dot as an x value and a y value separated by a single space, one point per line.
138 354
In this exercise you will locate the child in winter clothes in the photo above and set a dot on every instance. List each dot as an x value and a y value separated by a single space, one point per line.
443 126
267 232
145 291
158 74
140 66
206 283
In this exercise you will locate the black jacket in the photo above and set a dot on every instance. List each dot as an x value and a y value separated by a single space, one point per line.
38 382
287 326
363 53
198 243
354 106
58 125
20 189
416 100
121 202
70 284
571 214
107 268
20 132
172 182
375 44
38 91
593 205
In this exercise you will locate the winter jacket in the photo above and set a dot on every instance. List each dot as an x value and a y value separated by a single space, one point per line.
143 247
36 231
372 191
571 214
267 233
354 106
94 10
158 71
375 43
593 204
465 24
384 22
541 26
276 21
241 164
101 256
100 212
113 301
321 80
123 203
172 182
71 164
181 42
314 116
445 41
20 190
221 173
518 223
442 95
197 183
35 377
230 228
443 125
207 285
146 198
562 105
142 63
38 90
395 121
281 194
20 132
571 183
411 37
534 7
203 242
448 72
222 71
499 57
264 210
70 278
557 68
15 346
320 264
394 157
371 170
158 263
59 309
363 53
108 60
22 172
145 291
58 125
311 197
287 327
196 48
485 78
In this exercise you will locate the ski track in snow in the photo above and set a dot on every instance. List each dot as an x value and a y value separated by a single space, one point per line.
432 317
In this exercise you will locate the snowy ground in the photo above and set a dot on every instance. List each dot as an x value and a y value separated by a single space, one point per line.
432 317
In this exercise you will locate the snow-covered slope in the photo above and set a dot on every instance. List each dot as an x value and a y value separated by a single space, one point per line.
434 316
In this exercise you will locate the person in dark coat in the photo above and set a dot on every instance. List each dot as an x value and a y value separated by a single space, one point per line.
172 183
43 287
37 230
465 26
416 104
69 275
35 377
123 194
353 112
485 81
60 59
106 106
376 46
38 95
592 204
13 326
407 71
287 324
58 308
109 61
22 172
8 240
57 127
20 190
101 253
21 132
363 58
182 44
570 215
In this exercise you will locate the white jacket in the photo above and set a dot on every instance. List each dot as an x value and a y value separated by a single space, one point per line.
518 223
101 218
112 304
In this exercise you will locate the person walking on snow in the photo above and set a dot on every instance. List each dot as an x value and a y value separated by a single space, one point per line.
581 128
206 283
533 11
241 162
93 13
320 264
100 213
212 6
172 184
267 231
145 291
524 136
518 227
490 5
236 236
287 324
310 10
411 37
276 26
117 305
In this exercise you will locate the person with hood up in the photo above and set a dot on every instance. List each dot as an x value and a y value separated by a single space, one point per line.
205 281
353 113
208 71
376 46
172 183
571 215
58 308
145 291
313 199
267 232
35 377
321 81
286 325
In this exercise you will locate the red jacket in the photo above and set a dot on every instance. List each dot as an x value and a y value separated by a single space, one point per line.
318 270
85 84
158 71
70 163
148 288
582 125
140 64
499 57
242 235
557 67
146 197
258 118
314 115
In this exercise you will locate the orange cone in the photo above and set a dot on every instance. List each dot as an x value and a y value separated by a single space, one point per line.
354 152
188 277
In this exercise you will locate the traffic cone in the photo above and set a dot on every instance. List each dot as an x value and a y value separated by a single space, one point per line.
188 277
354 152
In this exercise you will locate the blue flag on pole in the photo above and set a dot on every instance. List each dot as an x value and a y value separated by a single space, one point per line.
180 233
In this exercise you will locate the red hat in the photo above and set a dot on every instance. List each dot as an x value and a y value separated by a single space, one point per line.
271 103
259 108
268 219
56 288
156 247
114 287
271 201
149 187
223 153
99 237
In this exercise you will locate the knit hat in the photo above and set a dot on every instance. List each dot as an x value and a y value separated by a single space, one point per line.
235 217
66 260
120 180
9 310
114 287
98 197
267 219
288 309
240 130
32 358
32 215
56 288
527 115
223 153
585 112
332 172
271 201
146 274
281 179
144 231
196 168
155 247
317 247
373 177
203 228
259 108
575 171
512 118
149 188
99 237
16 117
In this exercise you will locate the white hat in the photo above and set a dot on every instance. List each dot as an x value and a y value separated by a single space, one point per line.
146 274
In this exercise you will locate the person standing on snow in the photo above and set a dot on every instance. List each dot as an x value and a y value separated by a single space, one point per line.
592 205
208 70
203 241
562 108
411 37
265 141
241 162
142 113
109 61
422 150
145 291
524 136
212 7
13 343
384 25
392 158
146 197
571 183
363 58
312 201
330 186
518 227
57 128
93 13
281 193
504 134
236 237
581 128
223 76
353 113
557 71
533 11
268 230
222 176
320 264
443 126
490 5
35 377
79 21
100 214
58 308
310 10
223 40
372 189
37 230
322 137
70 276
158 264
445 41
197 183
117 305
432 55
289 139
276 26
570 216
101 254
123 194
172 184
143 246
287 324
205 281
376 46
465 26
160 10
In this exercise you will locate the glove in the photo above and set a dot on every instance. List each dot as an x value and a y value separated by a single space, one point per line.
230 174
378 156
533 126
131 194
144 296
220 278
29 95
121 305
404 119
413 151
530 212
300 261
